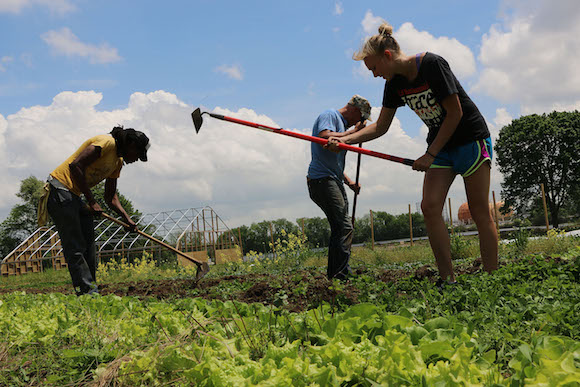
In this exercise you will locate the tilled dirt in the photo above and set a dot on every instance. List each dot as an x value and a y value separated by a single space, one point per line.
295 292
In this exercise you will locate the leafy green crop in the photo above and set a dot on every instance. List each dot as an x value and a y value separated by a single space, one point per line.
193 341
519 326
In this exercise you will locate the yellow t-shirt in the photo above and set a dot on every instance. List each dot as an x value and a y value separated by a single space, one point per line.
107 166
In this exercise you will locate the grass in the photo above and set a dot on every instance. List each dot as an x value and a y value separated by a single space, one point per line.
298 258
46 279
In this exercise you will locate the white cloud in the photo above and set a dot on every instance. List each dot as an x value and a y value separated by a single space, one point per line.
338 8
459 56
56 6
476 29
533 57
233 71
411 41
359 70
245 174
3 126
371 23
502 118
65 42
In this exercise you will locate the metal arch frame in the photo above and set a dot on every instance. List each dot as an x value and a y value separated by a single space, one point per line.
119 228
224 223
182 219
147 225
185 229
47 240
123 237
24 241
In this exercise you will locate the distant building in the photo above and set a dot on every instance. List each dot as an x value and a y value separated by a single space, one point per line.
464 215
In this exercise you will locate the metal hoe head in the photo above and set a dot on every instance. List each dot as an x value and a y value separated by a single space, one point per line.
197 120
202 270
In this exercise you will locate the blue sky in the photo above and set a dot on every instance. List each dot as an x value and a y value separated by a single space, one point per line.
293 56
70 69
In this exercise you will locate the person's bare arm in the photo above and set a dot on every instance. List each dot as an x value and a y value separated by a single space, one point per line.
453 115
353 185
367 133
326 134
113 202
77 170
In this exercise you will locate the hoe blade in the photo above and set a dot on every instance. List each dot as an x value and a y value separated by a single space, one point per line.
197 120
202 270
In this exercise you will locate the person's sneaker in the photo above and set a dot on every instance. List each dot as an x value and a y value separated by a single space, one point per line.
344 275
441 284
92 291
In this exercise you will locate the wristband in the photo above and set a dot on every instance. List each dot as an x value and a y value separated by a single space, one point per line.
429 153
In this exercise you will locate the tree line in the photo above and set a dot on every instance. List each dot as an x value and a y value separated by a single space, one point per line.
258 237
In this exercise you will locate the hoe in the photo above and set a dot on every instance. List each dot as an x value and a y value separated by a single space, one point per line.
198 121
202 267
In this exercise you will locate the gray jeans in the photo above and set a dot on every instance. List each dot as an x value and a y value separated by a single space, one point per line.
330 196
75 228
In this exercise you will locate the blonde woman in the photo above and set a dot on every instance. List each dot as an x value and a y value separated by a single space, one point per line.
458 140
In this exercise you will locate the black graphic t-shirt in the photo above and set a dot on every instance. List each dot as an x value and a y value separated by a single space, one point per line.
424 94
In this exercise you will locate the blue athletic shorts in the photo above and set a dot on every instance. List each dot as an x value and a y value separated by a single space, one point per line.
465 159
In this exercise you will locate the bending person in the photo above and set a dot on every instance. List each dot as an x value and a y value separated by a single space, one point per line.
99 158
326 176
458 140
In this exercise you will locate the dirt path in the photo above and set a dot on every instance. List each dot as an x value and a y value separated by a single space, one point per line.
295 292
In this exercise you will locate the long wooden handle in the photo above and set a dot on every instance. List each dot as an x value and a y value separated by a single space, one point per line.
356 182
167 246
317 140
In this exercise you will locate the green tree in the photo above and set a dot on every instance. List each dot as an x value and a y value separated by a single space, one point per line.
316 230
538 149
21 221
362 229
99 194
257 237
284 224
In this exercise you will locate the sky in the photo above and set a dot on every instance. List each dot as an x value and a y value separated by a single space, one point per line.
72 69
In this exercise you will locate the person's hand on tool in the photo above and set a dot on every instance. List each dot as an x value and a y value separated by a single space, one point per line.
95 208
423 163
332 144
131 226
354 186
359 125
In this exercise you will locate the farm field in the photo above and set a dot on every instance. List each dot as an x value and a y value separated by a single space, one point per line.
281 322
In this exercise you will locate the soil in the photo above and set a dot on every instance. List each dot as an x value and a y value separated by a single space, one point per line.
295 292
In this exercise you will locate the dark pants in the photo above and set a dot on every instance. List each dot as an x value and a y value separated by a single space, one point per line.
75 228
330 196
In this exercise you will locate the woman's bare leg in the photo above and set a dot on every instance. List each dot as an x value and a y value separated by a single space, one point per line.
435 188
477 189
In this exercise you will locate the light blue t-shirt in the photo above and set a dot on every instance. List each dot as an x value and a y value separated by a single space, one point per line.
324 162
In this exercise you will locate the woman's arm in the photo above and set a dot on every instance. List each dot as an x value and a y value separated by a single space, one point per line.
326 134
373 130
453 115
